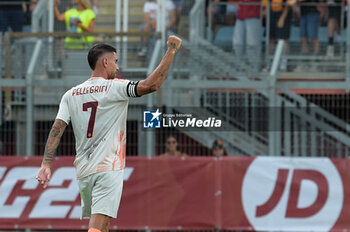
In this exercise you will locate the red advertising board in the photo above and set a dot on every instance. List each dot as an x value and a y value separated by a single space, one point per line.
233 193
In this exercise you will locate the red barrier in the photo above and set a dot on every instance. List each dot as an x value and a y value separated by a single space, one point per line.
236 193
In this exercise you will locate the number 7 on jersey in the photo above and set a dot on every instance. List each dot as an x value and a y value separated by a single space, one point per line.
93 105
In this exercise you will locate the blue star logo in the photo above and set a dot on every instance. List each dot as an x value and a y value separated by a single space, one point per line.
151 118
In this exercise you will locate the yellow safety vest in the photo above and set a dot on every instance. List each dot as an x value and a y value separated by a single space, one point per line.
85 16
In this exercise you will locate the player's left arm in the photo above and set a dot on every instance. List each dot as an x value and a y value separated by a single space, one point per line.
52 143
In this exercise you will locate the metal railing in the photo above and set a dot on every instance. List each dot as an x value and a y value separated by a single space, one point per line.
42 16
266 95
242 103
295 63
197 16
30 96
150 101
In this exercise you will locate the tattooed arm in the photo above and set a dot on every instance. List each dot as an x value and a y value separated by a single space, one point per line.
155 80
53 140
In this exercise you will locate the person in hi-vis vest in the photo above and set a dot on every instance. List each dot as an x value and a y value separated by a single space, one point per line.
80 18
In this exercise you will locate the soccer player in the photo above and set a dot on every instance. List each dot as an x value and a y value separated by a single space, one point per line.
97 109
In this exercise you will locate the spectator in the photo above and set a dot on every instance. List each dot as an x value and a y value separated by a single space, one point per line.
280 23
80 19
217 12
248 33
172 148
95 6
309 22
28 9
150 17
183 24
222 13
63 6
218 149
11 16
334 13
178 9
231 12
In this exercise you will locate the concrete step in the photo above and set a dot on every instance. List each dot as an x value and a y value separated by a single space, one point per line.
111 4
130 39
106 17
108 8
111 30
102 27
133 18
109 22
111 10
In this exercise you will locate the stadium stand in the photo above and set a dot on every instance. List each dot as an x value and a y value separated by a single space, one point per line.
225 81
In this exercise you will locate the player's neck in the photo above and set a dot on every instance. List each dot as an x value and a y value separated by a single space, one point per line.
97 73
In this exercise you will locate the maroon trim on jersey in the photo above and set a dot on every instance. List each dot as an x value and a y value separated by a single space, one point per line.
93 105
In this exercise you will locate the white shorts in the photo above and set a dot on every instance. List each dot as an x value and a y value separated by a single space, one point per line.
100 193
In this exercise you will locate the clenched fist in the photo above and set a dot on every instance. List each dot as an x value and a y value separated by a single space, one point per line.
174 42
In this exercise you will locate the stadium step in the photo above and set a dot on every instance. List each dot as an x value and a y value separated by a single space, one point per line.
107 8
110 30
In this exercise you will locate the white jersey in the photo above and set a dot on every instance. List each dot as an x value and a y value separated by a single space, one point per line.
97 109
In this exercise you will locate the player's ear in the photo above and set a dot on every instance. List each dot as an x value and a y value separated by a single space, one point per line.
104 62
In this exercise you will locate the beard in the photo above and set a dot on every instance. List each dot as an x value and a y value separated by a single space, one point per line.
113 75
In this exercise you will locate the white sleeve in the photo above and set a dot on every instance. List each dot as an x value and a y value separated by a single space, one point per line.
63 111
123 89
